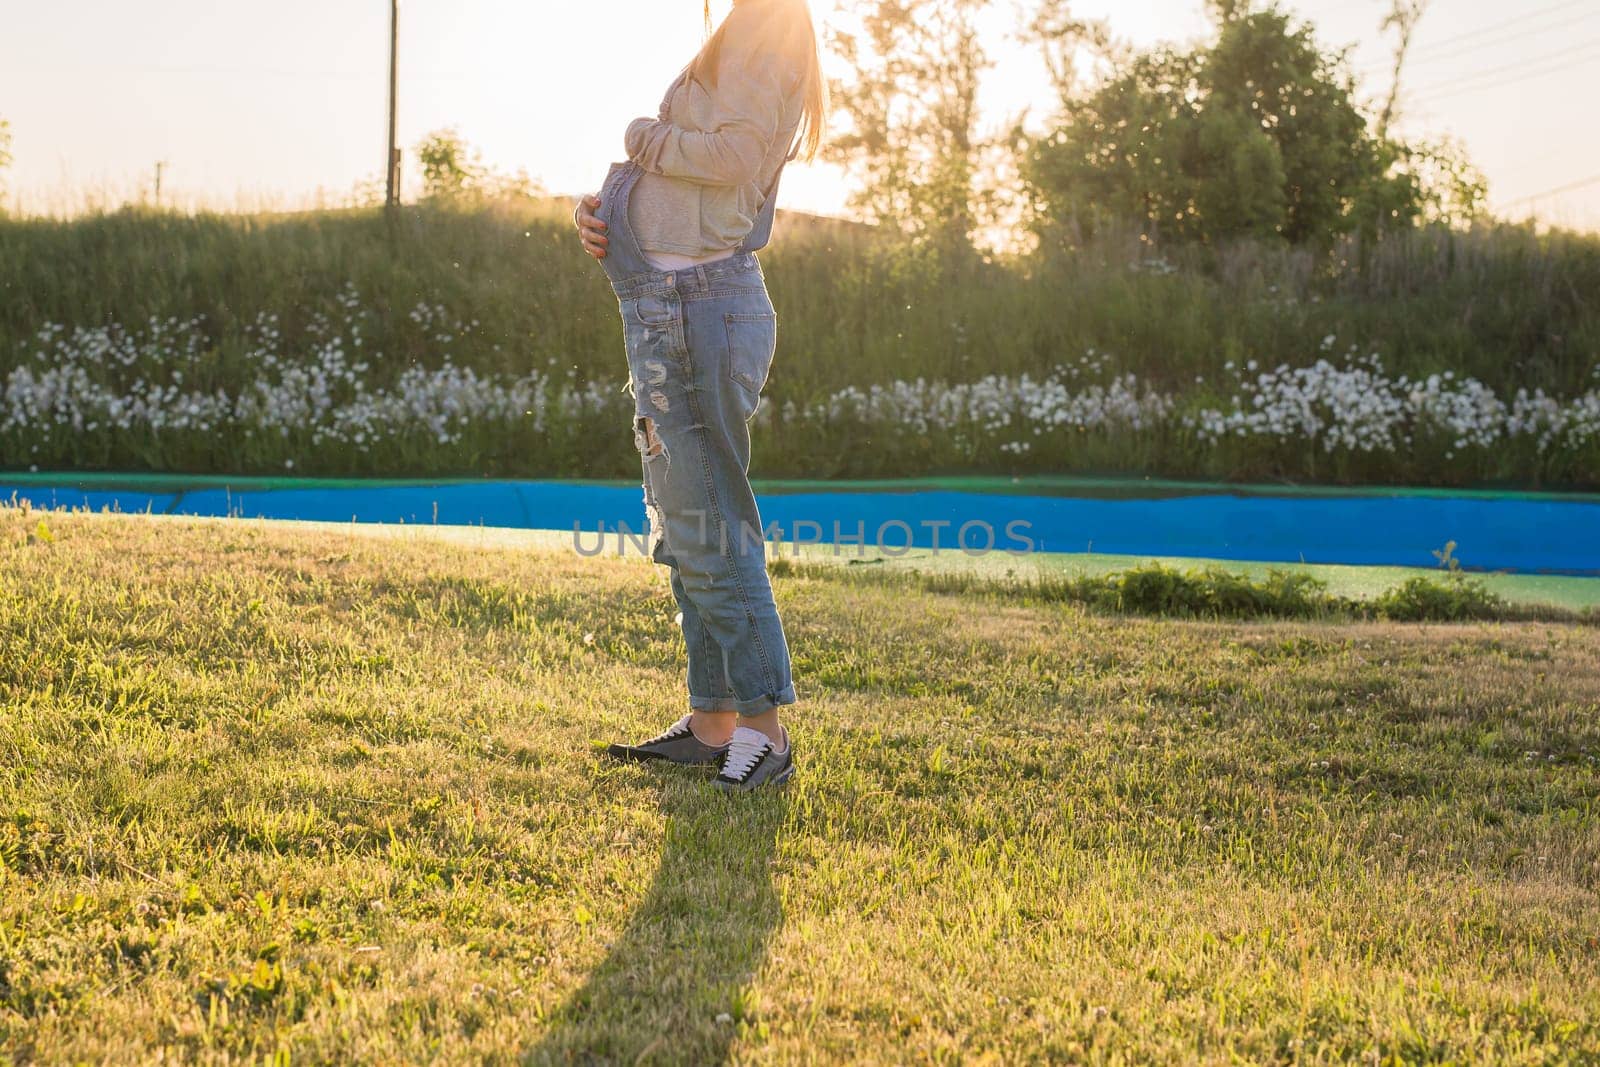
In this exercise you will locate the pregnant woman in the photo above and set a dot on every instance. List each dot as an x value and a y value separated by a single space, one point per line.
676 229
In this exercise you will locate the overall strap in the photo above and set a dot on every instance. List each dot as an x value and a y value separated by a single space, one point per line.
761 232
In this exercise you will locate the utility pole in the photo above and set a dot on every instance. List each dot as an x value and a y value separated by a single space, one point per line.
161 165
392 161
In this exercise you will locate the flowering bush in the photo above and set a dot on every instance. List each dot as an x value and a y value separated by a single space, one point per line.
165 396
323 408
996 409
1365 424
1358 408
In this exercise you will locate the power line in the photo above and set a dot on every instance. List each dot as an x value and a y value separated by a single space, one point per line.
1439 52
1479 87
1497 41
1582 183
1509 68
1498 26
1449 90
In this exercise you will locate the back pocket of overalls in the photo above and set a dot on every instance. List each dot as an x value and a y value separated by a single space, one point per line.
752 340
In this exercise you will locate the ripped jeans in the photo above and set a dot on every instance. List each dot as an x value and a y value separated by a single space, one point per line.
700 342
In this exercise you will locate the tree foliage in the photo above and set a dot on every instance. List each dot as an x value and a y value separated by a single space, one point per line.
1069 44
1256 135
910 114
453 170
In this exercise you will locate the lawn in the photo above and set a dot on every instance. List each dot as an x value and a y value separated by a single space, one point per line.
270 793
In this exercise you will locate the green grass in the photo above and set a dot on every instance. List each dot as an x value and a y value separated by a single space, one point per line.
290 792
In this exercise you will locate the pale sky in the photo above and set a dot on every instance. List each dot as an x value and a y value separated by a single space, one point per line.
278 105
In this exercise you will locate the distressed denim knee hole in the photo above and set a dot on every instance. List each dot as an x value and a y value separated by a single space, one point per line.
646 439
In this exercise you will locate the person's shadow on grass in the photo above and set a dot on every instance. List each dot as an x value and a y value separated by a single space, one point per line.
673 985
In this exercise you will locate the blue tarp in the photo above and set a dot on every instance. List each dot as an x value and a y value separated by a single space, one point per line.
1541 535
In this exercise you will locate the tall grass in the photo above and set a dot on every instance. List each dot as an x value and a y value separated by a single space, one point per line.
1505 305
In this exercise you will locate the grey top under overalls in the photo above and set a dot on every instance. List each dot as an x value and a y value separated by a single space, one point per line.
712 155
625 261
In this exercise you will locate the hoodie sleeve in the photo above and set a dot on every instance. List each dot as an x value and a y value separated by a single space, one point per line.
748 103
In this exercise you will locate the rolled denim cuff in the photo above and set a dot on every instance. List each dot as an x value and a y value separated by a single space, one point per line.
765 702
755 706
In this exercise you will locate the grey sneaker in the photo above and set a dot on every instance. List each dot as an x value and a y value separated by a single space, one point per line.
752 762
677 745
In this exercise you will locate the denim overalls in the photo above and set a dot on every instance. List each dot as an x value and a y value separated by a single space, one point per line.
700 342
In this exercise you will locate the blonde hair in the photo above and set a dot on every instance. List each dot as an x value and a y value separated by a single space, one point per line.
788 32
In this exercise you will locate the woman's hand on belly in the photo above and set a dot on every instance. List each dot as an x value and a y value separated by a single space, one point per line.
591 231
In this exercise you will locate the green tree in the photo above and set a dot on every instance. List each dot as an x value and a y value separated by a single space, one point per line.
1270 70
450 168
1450 188
1255 135
1242 186
910 113
453 170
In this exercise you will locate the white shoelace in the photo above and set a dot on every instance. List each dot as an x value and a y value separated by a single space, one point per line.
744 752
676 730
